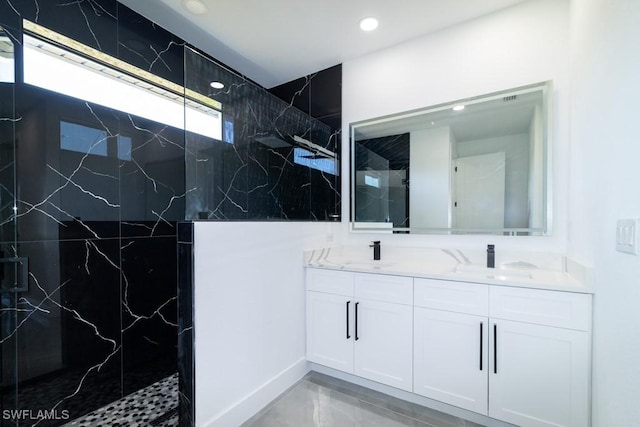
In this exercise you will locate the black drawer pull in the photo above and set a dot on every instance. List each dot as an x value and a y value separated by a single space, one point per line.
481 328
495 348
357 337
348 336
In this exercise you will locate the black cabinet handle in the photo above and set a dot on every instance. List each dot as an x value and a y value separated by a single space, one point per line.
348 336
495 348
357 337
481 328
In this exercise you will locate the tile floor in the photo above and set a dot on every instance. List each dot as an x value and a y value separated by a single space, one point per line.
155 405
322 401
315 401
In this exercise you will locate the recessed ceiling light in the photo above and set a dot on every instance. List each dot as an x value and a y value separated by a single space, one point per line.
196 7
216 85
458 108
368 24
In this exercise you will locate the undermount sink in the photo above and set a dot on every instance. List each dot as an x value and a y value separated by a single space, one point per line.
492 273
368 264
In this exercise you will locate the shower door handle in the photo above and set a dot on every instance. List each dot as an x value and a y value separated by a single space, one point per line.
20 279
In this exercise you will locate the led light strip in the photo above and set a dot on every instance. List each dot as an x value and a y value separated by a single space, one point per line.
118 65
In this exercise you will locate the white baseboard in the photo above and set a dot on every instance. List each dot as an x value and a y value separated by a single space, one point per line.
257 399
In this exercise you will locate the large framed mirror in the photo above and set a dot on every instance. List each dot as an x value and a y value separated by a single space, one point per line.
473 166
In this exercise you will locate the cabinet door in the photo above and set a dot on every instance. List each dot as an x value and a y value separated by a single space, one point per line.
451 358
539 375
384 341
330 330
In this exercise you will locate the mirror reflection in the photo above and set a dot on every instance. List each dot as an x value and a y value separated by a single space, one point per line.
472 166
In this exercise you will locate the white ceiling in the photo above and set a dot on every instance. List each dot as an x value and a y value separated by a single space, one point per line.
276 41
509 113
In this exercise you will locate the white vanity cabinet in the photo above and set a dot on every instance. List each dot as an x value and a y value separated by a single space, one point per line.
451 344
329 318
515 354
361 324
518 355
540 357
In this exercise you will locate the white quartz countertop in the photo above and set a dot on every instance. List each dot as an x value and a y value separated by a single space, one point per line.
539 271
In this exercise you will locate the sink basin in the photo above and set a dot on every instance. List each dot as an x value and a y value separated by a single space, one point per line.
368 264
492 273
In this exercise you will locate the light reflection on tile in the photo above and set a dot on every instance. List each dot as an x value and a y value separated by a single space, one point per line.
321 401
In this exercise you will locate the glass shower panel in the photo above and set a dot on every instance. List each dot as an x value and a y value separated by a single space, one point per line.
272 161
101 186
11 276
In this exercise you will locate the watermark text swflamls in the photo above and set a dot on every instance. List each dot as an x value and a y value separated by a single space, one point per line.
32 415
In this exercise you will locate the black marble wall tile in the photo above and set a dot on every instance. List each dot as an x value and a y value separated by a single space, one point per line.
62 190
293 185
324 197
11 22
393 148
186 361
386 153
149 47
152 186
216 180
263 172
105 25
67 326
92 22
149 311
90 272
325 177
318 94
296 92
326 94
97 219
99 193
136 178
7 152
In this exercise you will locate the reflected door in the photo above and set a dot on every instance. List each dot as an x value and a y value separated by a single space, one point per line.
479 183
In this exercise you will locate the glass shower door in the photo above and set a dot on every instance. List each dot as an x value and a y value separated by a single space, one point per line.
12 269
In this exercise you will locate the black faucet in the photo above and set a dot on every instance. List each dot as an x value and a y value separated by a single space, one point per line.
376 250
491 256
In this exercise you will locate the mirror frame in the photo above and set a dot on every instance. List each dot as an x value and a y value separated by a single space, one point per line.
546 211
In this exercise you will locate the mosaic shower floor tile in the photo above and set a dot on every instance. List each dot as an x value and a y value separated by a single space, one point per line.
156 405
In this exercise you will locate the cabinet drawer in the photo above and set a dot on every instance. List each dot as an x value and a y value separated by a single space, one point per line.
330 281
379 287
470 298
551 308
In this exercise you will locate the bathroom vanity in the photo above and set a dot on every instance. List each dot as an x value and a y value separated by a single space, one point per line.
512 343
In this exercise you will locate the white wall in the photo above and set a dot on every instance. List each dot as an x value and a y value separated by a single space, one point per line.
249 314
604 187
524 44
